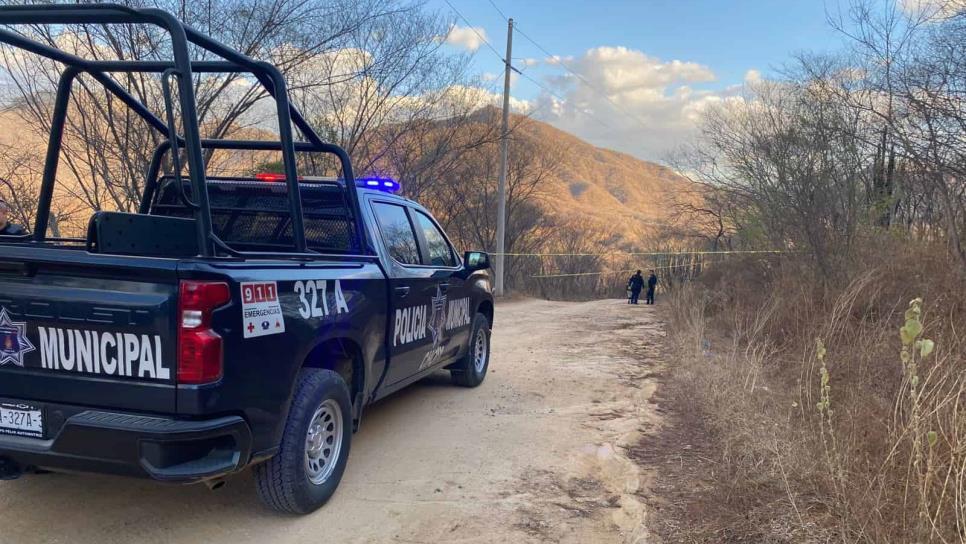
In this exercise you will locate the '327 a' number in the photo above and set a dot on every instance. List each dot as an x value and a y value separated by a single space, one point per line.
313 292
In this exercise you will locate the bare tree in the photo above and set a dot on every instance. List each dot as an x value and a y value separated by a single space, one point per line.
389 77
466 198
789 158
910 81
874 138
107 147
704 213
19 176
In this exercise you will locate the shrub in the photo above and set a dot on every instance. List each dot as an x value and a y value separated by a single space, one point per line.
858 436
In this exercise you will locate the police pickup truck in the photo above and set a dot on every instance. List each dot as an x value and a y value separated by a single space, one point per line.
232 322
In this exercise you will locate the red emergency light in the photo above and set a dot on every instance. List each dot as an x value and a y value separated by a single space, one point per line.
271 176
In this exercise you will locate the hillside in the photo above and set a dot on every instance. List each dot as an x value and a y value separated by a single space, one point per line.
623 194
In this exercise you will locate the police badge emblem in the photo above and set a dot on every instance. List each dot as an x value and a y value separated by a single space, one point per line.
13 340
437 322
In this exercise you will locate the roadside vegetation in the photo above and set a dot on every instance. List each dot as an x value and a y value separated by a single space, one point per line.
824 386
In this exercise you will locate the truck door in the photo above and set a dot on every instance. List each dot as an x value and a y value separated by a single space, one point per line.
410 306
438 254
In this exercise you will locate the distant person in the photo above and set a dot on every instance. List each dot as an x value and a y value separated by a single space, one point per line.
636 283
6 227
651 285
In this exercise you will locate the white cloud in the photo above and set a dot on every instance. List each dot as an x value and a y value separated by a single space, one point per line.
752 76
933 9
627 100
478 97
622 69
456 99
466 37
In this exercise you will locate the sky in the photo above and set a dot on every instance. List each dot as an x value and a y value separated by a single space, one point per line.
645 68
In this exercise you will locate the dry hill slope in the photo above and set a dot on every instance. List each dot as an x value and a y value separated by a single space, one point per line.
622 194
611 191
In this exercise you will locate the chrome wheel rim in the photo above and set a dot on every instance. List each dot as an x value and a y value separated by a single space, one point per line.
323 442
479 351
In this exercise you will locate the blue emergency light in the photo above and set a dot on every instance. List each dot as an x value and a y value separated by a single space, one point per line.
380 184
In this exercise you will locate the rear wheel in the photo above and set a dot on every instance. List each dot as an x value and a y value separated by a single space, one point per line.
470 371
307 469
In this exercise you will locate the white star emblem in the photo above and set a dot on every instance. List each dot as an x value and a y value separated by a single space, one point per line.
13 340
437 321
438 317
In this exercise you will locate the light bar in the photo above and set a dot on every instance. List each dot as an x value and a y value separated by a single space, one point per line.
388 185
379 184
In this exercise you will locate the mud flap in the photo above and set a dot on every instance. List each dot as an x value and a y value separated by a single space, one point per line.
357 412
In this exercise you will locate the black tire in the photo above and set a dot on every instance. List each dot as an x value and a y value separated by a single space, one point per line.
283 482
466 372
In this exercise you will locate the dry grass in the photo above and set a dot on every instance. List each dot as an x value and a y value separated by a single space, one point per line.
844 443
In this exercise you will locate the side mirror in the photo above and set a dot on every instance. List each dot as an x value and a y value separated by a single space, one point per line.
476 260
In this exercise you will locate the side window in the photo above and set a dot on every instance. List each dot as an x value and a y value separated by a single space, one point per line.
440 253
397 232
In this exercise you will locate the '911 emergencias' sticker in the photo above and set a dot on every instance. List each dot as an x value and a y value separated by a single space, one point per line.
261 312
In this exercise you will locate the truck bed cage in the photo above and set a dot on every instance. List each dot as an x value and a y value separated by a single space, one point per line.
180 69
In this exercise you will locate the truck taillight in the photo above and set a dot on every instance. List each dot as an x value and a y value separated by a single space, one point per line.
199 347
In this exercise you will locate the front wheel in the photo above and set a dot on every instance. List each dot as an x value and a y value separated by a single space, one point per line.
307 469
470 371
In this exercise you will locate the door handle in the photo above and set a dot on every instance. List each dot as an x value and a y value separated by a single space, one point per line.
402 291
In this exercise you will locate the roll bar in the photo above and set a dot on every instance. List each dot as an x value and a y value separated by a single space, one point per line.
180 68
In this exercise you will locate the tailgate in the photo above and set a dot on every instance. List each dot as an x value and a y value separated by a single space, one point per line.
88 330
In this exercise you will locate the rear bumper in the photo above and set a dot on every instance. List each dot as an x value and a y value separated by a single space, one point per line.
134 445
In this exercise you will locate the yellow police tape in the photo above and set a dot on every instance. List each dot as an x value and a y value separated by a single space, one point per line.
669 267
646 253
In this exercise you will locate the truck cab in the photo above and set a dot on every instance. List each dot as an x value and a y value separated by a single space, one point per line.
232 322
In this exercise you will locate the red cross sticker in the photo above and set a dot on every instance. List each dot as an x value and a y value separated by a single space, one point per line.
251 328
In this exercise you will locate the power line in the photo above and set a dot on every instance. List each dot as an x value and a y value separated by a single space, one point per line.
558 97
542 86
549 54
507 61
498 10
519 72
473 28
562 63
608 272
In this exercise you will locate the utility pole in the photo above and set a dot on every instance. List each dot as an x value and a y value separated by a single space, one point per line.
504 150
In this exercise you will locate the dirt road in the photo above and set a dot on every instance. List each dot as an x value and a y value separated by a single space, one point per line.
533 455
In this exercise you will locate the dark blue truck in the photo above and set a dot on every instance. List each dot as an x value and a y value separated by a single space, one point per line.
233 321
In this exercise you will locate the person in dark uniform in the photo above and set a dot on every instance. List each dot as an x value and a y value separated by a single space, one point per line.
6 227
651 284
636 283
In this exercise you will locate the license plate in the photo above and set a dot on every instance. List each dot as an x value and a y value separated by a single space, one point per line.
21 419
